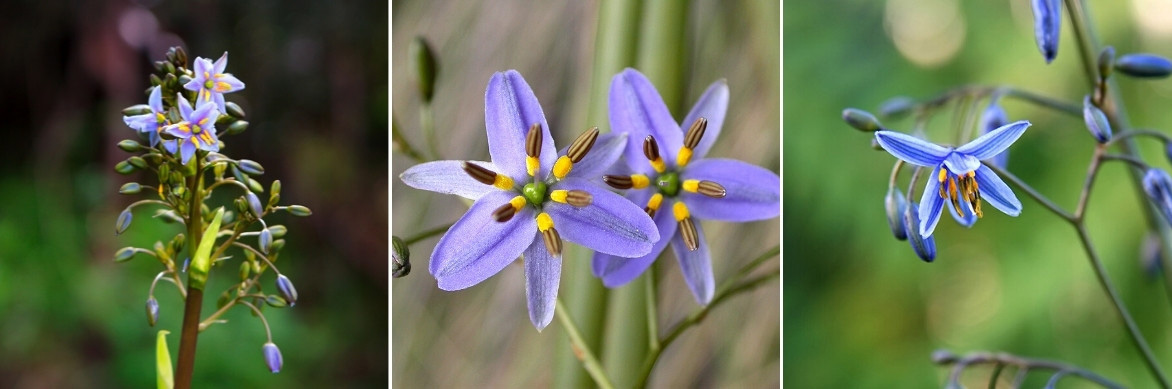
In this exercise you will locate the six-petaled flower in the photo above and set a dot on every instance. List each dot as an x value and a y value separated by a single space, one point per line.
197 130
149 123
211 83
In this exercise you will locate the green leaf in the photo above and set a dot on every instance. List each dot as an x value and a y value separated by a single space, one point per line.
166 378
201 261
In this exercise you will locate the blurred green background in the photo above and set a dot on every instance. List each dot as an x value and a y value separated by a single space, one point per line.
481 336
316 97
861 309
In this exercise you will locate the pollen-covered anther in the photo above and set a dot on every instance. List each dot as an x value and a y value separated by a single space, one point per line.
651 151
488 177
653 204
687 226
691 140
961 187
562 167
506 212
553 241
637 181
705 187
533 149
575 197
582 145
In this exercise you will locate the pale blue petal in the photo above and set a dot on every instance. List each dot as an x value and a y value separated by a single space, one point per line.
610 224
989 145
155 100
930 204
994 190
712 106
543 273
448 177
607 149
959 163
696 265
478 247
911 149
637 109
618 271
220 64
752 192
184 107
510 108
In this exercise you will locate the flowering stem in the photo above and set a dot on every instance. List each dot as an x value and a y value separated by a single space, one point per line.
1032 192
426 234
650 295
185 366
581 349
427 123
404 146
979 91
268 332
1023 364
1125 158
1092 172
1140 132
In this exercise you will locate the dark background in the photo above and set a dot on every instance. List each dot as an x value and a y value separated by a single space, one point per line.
316 98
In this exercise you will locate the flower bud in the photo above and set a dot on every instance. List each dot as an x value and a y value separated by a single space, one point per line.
255 186
278 230
896 106
400 257
993 118
1047 26
273 357
424 66
124 167
129 146
250 167
234 110
1150 252
275 248
130 188
925 247
152 311
265 240
274 193
895 206
254 204
1144 66
1158 186
288 292
237 127
276 301
1096 121
137 162
1106 62
140 109
299 210
124 254
861 120
123 221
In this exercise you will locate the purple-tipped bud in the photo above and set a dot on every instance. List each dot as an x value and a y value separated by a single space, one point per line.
1144 66
896 106
1047 25
925 247
1096 120
152 311
254 204
288 292
273 357
250 167
123 221
896 206
993 118
1158 186
265 241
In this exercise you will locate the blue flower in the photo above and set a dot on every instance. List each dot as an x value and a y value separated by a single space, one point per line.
149 123
958 174
675 182
196 131
211 83
527 199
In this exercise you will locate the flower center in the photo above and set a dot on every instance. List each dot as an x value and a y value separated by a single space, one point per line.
534 192
957 187
669 183
195 129
208 84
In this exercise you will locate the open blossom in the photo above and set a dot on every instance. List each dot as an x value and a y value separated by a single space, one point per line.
211 83
957 174
528 199
197 130
149 123
677 186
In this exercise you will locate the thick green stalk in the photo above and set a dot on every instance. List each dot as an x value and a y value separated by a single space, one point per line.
185 367
586 298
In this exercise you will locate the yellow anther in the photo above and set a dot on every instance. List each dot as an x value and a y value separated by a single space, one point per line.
562 167
544 222
639 181
684 156
658 164
161 192
654 202
680 211
692 185
207 95
531 165
517 202
222 86
206 75
203 122
943 175
160 118
504 182
559 195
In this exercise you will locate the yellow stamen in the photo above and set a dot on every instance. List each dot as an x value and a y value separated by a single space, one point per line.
183 126
658 164
504 182
160 117
684 157
559 195
207 95
518 202
544 222
161 191
639 181
943 174
655 201
222 86
562 167
203 122
680 211
531 165
207 137
692 185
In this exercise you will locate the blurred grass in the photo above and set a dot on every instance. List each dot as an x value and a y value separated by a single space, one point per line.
481 336
861 309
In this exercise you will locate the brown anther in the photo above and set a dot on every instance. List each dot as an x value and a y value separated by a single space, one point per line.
650 211
553 241
480 173
533 140
650 148
618 182
582 145
711 189
579 198
688 232
504 213
695 133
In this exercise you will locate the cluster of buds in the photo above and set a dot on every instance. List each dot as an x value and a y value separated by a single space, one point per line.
179 145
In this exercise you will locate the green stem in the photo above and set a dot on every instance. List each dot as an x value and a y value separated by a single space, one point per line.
581 349
426 234
650 296
402 143
1032 192
427 123
185 367
1023 364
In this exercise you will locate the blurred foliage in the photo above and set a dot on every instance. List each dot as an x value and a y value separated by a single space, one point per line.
316 97
481 336
861 310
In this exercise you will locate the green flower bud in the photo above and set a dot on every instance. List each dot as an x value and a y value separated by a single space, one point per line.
123 222
140 109
155 81
124 167
277 230
137 162
896 106
276 249
299 210
276 301
168 67
1106 62
234 110
130 188
255 186
125 254
152 310
129 146
424 66
237 127
401 258
245 270
861 120
265 240
250 167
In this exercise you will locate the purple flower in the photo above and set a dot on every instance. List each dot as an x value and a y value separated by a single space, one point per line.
528 199
150 123
211 83
196 131
670 177
273 357
958 174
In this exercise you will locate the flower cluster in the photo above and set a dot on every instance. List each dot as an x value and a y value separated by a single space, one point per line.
531 195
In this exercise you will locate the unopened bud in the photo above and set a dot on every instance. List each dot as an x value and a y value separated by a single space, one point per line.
152 311
129 146
925 247
250 167
124 167
401 258
1144 66
275 301
234 110
254 204
124 254
425 66
278 230
896 106
265 241
1106 62
237 127
123 221
861 120
299 210
288 292
896 205
1096 121
140 109
130 188
273 357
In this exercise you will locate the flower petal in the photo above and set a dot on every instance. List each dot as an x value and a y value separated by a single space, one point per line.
607 149
989 145
186 150
155 100
712 106
229 81
912 150
447 177
617 271
969 217
930 204
610 224
696 266
752 192
210 112
543 273
478 247
510 108
184 107
146 122
202 65
959 163
994 190
220 64
637 109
